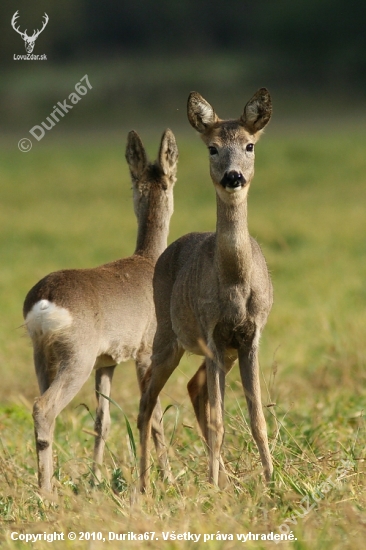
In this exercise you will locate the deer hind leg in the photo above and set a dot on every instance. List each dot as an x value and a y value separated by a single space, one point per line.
249 371
43 439
157 428
162 365
198 393
103 383
72 371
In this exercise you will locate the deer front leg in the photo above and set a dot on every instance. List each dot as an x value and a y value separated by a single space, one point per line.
249 371
162 366
216 389
198 393
103 382
157 428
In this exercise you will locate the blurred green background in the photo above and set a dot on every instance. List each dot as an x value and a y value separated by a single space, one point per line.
143 58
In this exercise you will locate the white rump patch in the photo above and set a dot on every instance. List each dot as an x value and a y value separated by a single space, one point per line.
46 318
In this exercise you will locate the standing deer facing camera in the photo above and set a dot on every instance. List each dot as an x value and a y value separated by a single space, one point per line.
213 292
85 319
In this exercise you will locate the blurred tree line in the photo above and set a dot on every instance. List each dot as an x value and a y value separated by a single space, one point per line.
150 52
312 39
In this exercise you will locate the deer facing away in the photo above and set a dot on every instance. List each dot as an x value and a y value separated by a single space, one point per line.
85 319
213 292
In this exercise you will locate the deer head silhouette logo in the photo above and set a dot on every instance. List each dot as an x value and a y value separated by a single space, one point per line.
29 40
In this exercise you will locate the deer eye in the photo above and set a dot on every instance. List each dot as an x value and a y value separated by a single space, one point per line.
212 150
250 147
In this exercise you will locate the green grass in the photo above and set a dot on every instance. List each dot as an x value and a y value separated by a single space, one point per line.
67 203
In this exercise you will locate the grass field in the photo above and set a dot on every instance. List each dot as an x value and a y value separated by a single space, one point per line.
67 203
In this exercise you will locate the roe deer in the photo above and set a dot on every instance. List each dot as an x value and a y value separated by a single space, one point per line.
85 319
213 292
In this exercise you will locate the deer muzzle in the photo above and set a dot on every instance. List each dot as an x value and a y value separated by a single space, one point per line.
233 181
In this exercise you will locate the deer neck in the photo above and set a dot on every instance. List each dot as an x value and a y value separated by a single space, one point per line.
153 230
233 254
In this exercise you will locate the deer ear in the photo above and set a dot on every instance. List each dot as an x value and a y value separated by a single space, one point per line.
200 112
135 155
168 155
257 112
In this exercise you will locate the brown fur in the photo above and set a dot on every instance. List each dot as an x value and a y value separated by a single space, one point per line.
215 288
106 314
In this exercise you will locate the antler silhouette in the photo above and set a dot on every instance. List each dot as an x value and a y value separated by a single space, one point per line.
13 21
46 18
29 40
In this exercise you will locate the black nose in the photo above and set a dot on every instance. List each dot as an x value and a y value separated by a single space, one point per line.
233 179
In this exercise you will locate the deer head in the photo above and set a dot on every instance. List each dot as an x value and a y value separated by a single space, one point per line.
29 40
231 142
